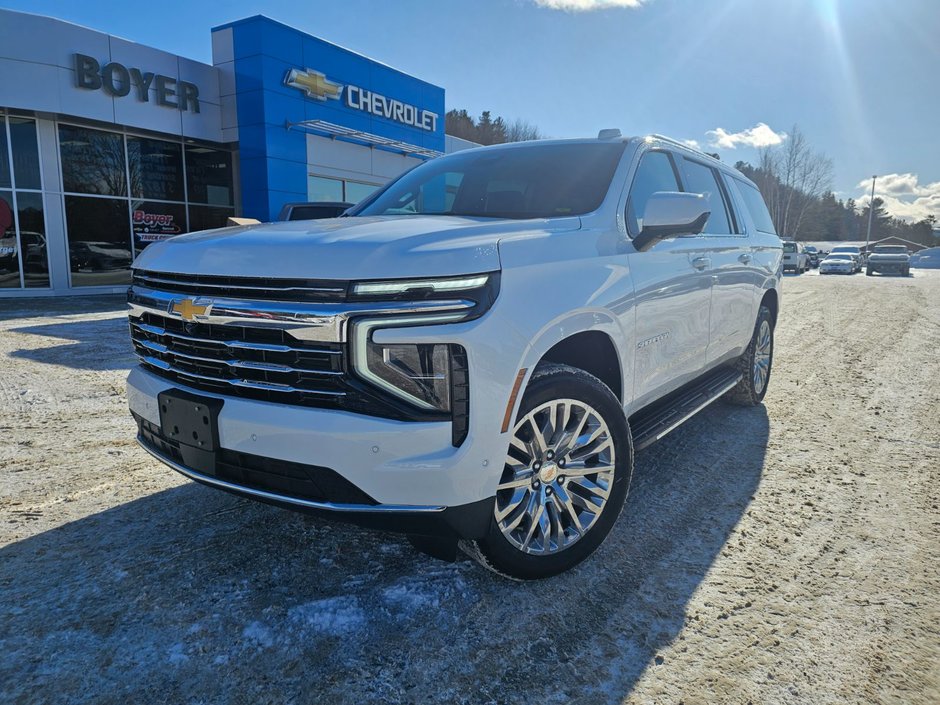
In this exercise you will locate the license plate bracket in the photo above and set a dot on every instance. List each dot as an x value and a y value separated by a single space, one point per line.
190 419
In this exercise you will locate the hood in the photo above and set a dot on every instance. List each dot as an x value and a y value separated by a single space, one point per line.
347 248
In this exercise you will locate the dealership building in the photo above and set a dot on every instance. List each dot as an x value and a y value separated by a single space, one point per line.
107 146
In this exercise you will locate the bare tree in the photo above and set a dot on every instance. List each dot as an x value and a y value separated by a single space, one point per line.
794 178
520 130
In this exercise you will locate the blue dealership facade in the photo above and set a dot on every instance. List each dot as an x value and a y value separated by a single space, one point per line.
107 145
290 92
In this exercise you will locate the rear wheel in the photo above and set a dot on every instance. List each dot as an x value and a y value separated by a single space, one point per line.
869 272
755 364
565 477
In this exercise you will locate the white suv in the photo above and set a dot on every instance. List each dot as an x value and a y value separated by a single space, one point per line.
474 353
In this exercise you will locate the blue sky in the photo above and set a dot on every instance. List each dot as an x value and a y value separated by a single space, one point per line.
860 77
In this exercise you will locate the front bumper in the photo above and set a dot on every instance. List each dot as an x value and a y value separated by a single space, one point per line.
888 267
397 475
469 521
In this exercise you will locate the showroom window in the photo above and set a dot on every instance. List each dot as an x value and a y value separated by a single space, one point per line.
124 192
324 188
24 261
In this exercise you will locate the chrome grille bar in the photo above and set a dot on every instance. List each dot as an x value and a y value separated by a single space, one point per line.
245 383
236 344
162 349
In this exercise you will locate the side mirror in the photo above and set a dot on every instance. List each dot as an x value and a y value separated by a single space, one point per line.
670 213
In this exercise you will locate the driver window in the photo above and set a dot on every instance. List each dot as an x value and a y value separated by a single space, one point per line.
654 174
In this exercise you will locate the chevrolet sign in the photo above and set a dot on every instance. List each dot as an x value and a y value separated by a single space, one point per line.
316 85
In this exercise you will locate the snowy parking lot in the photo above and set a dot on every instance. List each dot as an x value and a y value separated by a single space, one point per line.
787 553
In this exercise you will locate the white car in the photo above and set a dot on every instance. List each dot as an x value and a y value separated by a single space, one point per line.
855 252
838 263
473 353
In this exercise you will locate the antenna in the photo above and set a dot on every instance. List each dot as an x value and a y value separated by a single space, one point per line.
609 133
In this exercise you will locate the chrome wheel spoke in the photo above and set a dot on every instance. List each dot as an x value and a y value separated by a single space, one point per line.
533 525
571 511
579 468
510 484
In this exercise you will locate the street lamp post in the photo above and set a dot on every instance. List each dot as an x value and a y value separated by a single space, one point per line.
871 213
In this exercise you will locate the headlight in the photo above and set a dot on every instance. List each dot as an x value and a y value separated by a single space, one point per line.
420 373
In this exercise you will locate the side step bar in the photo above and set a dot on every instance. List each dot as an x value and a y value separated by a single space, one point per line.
656 420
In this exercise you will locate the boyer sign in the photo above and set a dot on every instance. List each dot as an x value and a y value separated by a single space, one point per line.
118 80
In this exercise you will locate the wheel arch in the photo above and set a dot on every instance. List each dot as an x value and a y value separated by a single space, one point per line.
771 300
594 352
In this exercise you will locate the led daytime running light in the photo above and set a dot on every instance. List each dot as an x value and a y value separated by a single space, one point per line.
400 287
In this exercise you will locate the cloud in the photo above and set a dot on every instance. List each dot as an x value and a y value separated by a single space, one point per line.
694 144
586 5
758 136
900 185
903 195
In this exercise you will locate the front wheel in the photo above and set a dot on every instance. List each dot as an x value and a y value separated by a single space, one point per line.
756 362
565 477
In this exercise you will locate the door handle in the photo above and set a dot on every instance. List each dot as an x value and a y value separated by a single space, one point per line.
701 263
745 258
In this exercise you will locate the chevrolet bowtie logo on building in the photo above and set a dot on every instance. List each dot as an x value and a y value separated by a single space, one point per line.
190 310
314 84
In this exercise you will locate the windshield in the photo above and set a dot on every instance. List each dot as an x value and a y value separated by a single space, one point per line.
537 181
891 250
845 257
789 247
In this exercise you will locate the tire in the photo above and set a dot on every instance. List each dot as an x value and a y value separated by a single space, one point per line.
869 272
752 388
517 544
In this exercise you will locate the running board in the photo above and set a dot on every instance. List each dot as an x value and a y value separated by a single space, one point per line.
659 418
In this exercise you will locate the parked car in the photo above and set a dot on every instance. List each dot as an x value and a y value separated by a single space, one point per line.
813 255
855 252
98 256
315 210
794 258
889 259
480 370
838 263
926 259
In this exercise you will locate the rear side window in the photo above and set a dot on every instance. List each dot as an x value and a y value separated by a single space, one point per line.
655 173
755 205
702 179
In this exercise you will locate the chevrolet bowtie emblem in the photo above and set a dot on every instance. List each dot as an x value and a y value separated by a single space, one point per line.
188 309
314 84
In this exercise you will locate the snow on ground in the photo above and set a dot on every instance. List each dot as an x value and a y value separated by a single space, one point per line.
782 554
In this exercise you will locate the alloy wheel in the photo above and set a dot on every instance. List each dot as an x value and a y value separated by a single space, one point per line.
762 353
557 477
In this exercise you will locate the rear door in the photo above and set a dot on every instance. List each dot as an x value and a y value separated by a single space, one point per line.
673 290
726 246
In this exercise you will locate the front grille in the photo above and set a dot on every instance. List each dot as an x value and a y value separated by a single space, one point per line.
254 288
259 363
283 477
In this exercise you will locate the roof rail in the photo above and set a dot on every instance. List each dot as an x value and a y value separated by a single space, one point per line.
679 143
